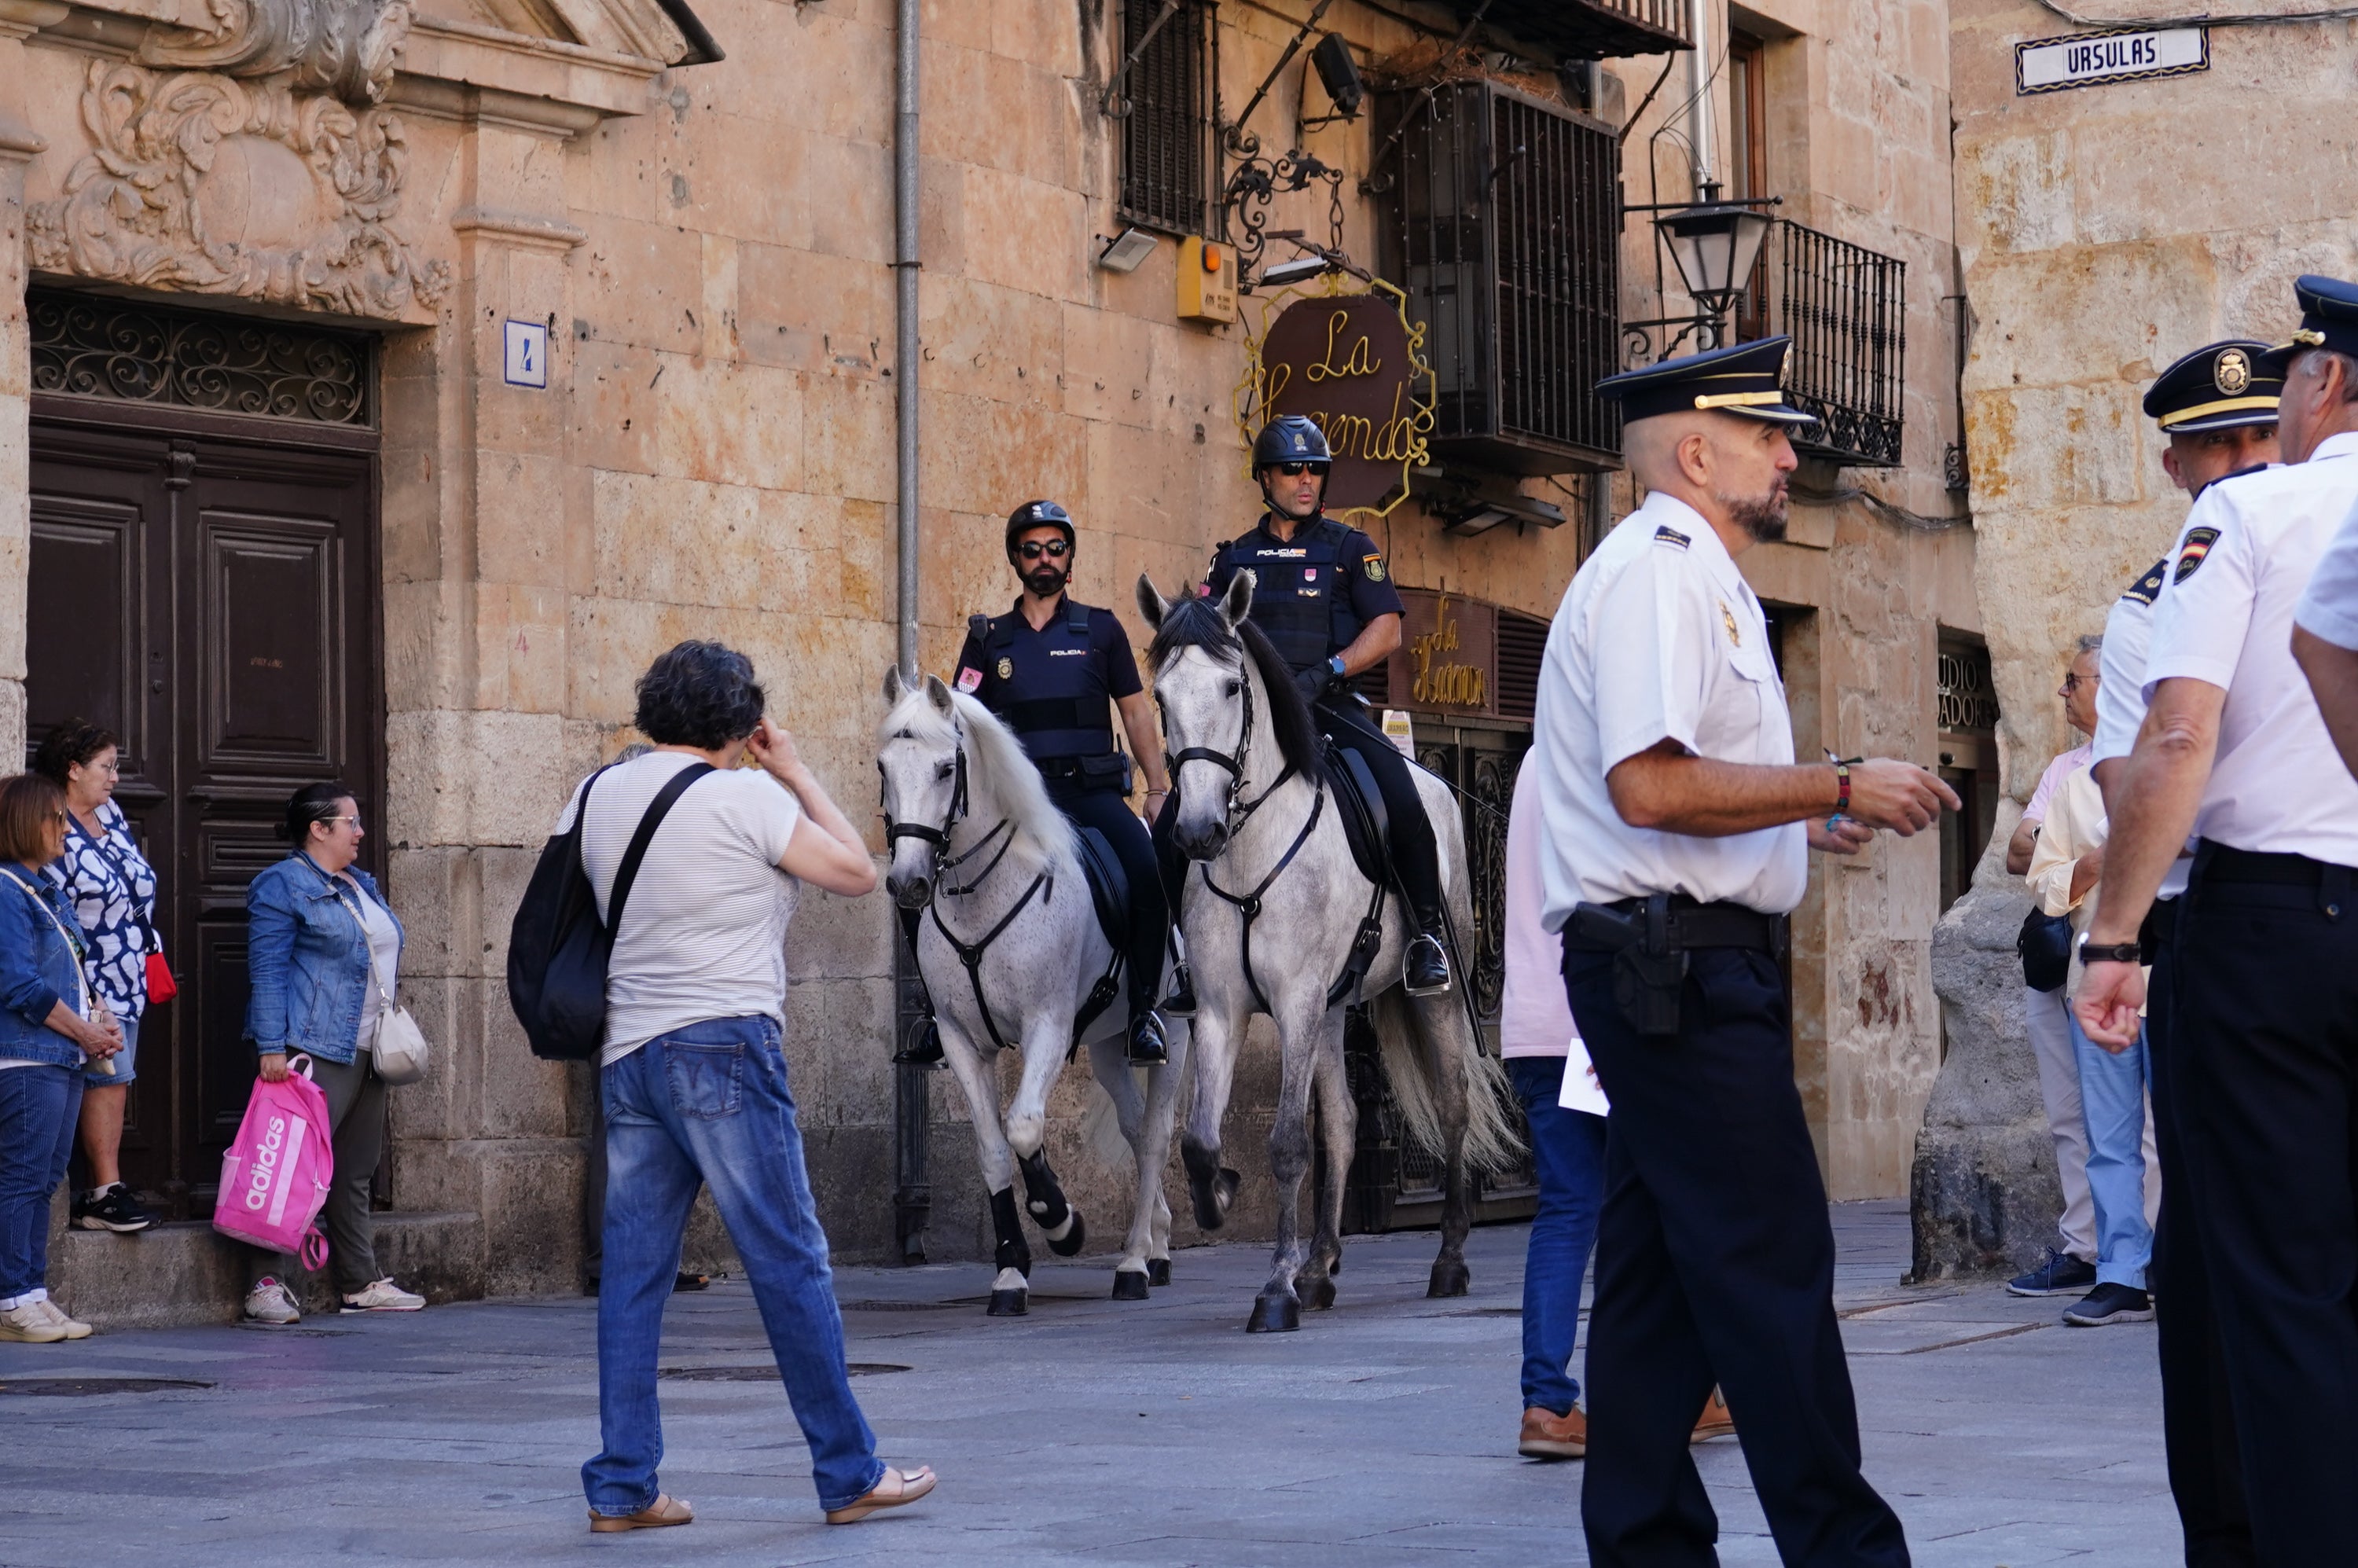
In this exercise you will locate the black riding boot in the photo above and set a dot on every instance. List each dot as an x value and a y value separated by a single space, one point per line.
1147 1046
1181 1002
922 1045
1427 968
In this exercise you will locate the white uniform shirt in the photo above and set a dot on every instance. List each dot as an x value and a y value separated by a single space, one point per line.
2120 692
2329 607
2226 617
1659 638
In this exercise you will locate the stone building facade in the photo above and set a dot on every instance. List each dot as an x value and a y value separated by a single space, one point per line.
2104 231
389 383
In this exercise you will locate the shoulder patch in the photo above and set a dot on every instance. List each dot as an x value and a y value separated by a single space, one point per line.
2147 588
969 679
2191 554
1372 567
1666 535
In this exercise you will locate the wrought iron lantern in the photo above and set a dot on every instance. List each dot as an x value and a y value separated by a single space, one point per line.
1714 244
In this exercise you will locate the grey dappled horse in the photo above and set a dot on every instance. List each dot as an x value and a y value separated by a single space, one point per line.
973 833
1269 864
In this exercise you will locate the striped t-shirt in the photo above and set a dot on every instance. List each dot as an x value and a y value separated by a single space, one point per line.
704 934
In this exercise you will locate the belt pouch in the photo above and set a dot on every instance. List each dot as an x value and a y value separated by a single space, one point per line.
1649 975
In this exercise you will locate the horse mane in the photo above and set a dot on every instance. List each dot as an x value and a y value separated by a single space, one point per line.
1194 621
997 766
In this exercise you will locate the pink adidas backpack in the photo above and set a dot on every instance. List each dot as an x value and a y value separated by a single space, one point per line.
275 1178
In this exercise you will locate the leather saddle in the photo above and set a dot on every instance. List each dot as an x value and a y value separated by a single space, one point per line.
1366 824
1109 893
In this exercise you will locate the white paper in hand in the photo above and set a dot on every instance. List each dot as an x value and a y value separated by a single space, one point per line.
1581 1090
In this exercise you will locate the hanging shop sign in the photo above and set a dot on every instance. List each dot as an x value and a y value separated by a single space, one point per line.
1354 365
1447 662
2085 60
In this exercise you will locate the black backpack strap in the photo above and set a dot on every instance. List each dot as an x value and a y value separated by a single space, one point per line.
657 809
1077 616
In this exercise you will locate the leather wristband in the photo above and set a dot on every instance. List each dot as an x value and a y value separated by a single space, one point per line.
2110 952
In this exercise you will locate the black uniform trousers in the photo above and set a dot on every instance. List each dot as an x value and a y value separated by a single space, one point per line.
2198 1423
2266 1077
1714 1264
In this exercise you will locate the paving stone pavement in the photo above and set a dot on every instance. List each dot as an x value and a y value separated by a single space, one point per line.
1092 1430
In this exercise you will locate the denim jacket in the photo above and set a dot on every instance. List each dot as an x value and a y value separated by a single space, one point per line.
36 971
307 958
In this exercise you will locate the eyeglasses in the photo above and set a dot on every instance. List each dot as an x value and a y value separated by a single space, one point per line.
1032 549
1295 471
355 821
2075 680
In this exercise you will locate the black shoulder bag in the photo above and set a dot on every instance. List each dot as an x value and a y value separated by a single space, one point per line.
2045 944
559 950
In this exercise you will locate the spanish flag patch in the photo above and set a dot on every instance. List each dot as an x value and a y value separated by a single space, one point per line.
2191 554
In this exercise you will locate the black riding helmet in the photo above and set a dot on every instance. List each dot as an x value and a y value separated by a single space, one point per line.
1038 514
1291 438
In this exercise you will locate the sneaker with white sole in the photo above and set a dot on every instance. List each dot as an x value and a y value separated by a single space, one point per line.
269 1302
385 1296
2108 1304
29 1324
75 1328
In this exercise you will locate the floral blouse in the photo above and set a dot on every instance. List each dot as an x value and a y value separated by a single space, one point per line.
113 889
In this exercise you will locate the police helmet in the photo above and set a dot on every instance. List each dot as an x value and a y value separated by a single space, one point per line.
1038 514
1291 438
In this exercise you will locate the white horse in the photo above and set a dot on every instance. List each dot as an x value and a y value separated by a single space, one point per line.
1009 952
1272 911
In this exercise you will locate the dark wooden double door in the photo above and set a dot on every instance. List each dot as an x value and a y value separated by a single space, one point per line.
213 602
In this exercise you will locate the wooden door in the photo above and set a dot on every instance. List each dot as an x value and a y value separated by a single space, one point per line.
212 601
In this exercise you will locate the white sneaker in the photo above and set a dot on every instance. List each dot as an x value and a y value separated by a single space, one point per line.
269 1303
385 1296
75 1328
29 1324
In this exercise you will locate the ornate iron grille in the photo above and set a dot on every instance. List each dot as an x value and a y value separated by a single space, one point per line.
1588 30
1503 225
1845 307
1968 695
87 346
1166 104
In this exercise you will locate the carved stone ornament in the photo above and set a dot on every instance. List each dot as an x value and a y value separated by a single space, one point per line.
199 182
347 48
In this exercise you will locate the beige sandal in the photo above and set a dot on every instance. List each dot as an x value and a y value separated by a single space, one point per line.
896 1490
665 1511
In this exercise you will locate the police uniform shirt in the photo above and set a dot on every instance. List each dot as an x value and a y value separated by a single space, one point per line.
2120 686
2329 608
1282 566
1659 638
2226 617
1004 676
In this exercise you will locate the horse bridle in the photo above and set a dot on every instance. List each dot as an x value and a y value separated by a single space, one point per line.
1236 808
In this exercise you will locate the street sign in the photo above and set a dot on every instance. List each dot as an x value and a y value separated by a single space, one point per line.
527 345
2085 60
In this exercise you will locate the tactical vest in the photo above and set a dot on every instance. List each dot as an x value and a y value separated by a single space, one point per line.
1299 601
1057 707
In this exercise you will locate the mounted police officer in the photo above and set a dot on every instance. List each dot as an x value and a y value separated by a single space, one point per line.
1322 598
1048 668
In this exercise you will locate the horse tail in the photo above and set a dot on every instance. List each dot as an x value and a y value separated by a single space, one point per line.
1490 1140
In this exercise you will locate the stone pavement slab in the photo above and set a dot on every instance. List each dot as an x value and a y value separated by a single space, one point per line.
1092 1430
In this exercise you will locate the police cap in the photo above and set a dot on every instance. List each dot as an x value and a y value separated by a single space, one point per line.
2329 319
2216 387
1291 438
1038 514
1747 380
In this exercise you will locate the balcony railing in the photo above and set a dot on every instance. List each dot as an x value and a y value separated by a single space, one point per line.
1590 29
1845 308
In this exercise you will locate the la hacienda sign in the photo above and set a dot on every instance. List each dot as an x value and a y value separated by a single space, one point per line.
2085 59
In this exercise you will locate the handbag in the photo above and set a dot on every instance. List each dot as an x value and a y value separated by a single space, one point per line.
398 1046
2045 945
161 986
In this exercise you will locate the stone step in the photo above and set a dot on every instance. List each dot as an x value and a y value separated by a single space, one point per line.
186 1272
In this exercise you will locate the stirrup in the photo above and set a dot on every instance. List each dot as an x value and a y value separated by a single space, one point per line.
1427 985
1147 1046
1181 1002
923 1046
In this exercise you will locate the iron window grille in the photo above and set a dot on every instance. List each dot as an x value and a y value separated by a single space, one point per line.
1588 30
87 345
1167 105
1845 307
1503 225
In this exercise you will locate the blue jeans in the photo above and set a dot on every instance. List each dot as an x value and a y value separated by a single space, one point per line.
38 1109
1568 1152
709 1104
2111 1097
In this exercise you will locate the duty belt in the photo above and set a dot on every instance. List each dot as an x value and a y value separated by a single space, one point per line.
1674 922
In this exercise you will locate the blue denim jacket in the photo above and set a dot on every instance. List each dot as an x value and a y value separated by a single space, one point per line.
36 971
307 958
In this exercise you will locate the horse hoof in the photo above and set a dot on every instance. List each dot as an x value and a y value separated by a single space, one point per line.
1450 1278
1072 1240
1158 1271
1282 1314
1213 1197
1318 1295
1008 1303
1129 1286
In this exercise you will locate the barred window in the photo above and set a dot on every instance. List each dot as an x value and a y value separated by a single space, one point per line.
1166 103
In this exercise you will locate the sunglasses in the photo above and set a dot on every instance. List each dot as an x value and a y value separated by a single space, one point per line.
1295 471
2075 681
354 820
1032 549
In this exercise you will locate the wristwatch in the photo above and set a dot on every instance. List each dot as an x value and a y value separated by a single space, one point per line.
2110 952
1334 662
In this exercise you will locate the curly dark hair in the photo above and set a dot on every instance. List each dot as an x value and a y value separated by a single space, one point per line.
699 694
68 745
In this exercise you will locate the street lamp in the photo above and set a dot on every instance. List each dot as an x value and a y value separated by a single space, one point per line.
1714 244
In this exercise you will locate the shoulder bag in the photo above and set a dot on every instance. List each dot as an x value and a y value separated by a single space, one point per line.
399 1045
558 948
2045 944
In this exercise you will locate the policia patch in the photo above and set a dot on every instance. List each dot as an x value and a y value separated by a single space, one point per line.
2147 589
2192 555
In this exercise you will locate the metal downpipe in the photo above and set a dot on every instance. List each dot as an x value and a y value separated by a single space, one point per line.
911 1089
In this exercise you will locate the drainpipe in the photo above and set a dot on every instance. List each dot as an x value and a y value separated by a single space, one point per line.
912 1097
1705 150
